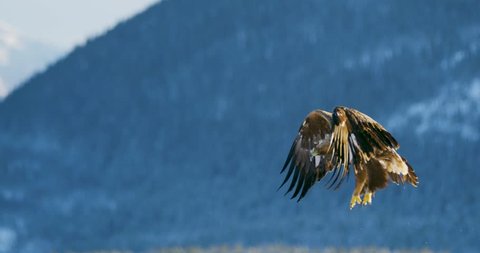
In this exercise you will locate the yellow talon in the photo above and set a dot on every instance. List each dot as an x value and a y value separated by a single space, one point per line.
355 200
367 199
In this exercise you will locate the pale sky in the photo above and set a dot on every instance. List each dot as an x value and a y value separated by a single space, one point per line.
64 23
34 33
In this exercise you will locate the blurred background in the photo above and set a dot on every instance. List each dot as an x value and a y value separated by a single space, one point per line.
139 125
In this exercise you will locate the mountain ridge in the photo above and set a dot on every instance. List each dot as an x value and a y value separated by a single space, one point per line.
20 57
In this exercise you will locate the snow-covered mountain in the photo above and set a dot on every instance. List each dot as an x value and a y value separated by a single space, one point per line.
171 128
21 57
454 112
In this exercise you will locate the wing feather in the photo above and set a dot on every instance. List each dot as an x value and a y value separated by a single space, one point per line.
356 139
289 173
308 158
289 157
300 183
294 180
310 180
377 143
370 133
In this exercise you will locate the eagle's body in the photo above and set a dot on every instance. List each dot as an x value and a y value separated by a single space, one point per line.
339 142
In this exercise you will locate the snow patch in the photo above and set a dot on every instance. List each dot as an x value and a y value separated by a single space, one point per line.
454 60
376 57
12 195
7 239
455 110
471 38
386 51
474 90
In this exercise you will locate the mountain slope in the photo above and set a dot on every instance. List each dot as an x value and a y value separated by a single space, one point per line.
171 128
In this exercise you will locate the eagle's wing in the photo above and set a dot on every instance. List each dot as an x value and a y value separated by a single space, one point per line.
367 136
361 141
356 138
309 158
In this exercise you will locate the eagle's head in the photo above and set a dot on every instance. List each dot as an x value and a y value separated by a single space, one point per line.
339 115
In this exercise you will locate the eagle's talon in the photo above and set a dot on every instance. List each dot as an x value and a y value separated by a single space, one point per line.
367 199
355 200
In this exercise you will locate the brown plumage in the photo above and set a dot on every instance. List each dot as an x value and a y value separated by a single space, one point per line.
340 141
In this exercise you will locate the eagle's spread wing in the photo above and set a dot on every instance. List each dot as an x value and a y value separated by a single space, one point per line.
357 137
369 134
309 158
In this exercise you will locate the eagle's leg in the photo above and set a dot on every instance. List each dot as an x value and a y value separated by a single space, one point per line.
360 180
356 199
367 198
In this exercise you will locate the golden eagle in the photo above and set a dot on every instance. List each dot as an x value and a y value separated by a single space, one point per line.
337 142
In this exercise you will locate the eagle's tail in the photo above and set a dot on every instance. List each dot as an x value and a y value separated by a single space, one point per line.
410 177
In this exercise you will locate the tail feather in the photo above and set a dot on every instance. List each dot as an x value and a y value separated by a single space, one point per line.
412 177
